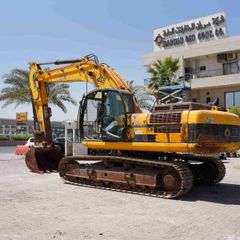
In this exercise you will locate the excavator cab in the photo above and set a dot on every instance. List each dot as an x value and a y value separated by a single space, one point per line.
104 115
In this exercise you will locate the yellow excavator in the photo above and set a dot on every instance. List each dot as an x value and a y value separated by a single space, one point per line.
161 153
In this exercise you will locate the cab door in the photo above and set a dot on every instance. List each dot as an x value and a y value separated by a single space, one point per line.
89 120
104 115
113 116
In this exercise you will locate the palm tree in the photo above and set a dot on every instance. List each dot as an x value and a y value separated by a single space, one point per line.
143 95
133 88
18 92
163 73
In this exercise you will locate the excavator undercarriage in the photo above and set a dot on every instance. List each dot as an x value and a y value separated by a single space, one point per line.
168 178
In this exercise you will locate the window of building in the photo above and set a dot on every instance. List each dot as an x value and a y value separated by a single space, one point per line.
194 100
21 129
13 129
232 99
237 98
230 68
1 129
202 68
30 130
7 129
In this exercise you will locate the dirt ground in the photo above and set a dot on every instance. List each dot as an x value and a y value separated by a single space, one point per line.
36 206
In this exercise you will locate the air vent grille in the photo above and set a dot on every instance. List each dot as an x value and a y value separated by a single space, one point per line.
174 117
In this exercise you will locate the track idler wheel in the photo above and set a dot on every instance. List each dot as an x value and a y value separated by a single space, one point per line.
170 180
43 159
210 172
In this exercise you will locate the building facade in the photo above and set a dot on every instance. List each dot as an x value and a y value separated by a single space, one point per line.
207 55
9 127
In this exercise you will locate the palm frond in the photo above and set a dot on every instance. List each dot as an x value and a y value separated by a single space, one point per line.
162 73
17 91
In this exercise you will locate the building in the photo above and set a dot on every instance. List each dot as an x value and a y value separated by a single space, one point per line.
9 127
206 53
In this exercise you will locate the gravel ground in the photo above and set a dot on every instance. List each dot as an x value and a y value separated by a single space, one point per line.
34 206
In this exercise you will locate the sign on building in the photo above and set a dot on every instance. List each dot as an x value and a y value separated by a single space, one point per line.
21 117
212 27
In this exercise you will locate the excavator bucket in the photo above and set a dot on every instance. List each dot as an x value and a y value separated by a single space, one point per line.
43 159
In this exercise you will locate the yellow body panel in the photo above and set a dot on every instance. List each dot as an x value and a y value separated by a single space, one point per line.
141 129
175 138
162 137
156 147
213 117
162 147
138 146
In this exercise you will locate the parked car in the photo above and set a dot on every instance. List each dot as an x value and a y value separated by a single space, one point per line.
30 142
59 141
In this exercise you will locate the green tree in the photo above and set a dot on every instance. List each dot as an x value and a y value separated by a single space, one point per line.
18 92
143 95
134 89
235 109
163 73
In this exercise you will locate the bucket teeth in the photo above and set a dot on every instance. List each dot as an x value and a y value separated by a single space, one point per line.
43 160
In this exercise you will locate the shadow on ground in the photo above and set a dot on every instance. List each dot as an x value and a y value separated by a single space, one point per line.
223 193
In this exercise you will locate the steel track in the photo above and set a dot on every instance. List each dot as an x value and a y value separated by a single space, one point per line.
179 164
185 174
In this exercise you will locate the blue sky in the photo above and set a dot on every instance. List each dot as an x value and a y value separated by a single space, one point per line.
118 32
